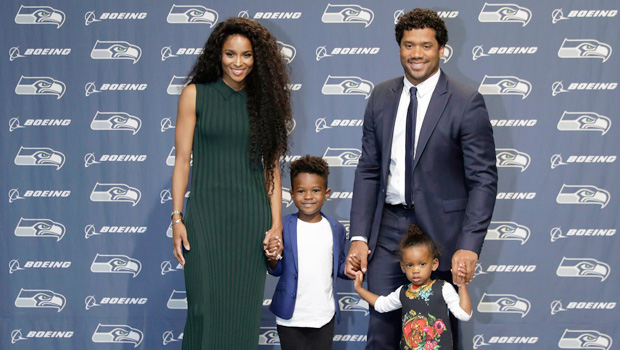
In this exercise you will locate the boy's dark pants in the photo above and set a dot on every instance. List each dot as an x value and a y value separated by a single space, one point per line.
303 338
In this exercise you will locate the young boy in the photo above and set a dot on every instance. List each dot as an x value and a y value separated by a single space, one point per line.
425 302
304 301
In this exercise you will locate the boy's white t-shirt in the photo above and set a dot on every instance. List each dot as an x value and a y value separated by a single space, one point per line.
314 306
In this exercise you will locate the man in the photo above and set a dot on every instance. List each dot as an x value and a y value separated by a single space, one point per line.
441 174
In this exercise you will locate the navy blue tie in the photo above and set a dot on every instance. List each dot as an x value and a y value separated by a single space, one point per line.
410 145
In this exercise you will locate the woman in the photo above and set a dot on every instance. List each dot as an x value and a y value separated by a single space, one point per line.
232 119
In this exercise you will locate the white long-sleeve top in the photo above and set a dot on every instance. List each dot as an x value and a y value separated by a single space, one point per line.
392 302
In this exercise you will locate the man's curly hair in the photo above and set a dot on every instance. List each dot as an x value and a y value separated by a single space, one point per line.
416 238
310 165
419 19
269 102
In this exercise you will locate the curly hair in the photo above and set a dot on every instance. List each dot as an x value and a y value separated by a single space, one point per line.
267 86
416 238
310 165
419 19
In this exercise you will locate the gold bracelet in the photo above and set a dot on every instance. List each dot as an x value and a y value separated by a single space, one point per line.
176 222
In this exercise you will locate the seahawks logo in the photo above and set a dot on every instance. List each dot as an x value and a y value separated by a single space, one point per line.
287 198
40 299
116 121
193 14
177 300
347 14
268 337
110 192
40 228
503 303
584 121
447 53
511 158
583 194
584 48
40 15
40 86
109 263
578 267
287 51
116 50
352 302
39 156
342 157
347 85
584 339
505 13
507 231
505 85
123 334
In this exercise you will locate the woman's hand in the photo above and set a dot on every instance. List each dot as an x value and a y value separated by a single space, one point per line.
179 241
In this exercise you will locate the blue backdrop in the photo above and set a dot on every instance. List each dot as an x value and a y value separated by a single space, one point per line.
89 91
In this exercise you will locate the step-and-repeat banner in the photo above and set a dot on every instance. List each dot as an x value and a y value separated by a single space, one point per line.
89 92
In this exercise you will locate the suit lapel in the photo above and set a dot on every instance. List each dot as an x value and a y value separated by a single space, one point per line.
293 236
438 102
389 119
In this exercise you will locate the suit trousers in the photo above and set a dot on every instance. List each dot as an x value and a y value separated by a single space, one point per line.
384 276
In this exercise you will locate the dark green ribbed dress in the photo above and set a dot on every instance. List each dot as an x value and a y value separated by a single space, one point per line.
227 216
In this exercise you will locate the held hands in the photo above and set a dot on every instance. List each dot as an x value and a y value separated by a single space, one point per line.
359 279
272 246
463 266
179 239
357 260
273 251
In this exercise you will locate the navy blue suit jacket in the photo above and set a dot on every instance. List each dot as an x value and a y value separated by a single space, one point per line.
455 177
285 295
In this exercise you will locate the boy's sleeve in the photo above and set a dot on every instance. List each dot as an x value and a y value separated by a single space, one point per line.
453 300
390 302
277 271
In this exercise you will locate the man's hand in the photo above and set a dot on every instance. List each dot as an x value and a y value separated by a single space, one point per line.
463 266
357 259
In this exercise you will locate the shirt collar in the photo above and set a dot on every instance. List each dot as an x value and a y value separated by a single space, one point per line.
225 90
424 87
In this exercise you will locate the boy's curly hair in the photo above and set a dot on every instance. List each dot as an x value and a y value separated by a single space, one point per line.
310 165
416 238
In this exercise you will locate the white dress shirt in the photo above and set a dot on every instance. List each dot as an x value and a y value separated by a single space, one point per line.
395 193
